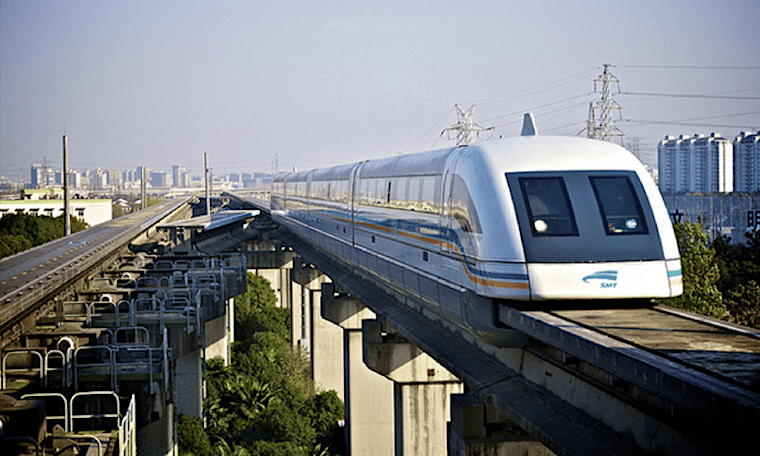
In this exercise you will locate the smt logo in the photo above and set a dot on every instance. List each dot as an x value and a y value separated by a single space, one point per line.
605 279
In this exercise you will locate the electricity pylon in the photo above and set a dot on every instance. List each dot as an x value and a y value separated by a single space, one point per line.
467 130
605 129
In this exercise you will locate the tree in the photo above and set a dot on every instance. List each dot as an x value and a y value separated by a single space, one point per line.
193 440
256 311
325 410
19 232
743 304
700 273
265 404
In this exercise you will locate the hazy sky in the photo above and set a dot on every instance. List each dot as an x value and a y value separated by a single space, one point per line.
318 83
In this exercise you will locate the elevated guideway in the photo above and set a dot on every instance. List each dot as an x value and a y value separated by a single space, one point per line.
30 278
109 329
585 381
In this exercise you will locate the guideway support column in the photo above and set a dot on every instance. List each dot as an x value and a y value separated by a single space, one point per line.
479 429
368 396
422 390
325 339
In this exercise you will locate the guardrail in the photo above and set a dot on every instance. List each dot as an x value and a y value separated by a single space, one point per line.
126 423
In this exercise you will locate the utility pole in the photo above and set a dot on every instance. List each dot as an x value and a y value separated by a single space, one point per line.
605 129
66 196
208 183
467 130
143 188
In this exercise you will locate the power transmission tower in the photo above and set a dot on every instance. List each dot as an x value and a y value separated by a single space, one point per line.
591 122
467 130
605 129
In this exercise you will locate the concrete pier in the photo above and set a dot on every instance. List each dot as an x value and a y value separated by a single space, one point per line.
326 346
219 334
479 429
368 396
189 380
422 390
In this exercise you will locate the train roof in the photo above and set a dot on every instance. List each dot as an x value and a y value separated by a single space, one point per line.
514 154
557 153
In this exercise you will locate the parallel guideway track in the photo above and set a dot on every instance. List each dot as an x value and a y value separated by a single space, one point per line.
31 276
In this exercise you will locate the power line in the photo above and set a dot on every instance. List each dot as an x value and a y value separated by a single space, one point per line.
709 117
536 89
429 131
543 114
689 124
692 67
535 108
685 95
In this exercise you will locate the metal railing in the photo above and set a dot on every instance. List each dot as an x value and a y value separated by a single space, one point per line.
84 415
128 431
46 397
28 354
126 423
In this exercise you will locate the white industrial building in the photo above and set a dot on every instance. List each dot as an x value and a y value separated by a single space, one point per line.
747 163
91 211
696 164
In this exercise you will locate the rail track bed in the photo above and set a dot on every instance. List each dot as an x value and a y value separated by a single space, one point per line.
716 348
690 366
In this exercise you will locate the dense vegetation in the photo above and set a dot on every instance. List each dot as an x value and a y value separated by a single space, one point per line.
720 278
19 232
265 402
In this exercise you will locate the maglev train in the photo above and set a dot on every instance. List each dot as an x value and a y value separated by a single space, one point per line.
530 218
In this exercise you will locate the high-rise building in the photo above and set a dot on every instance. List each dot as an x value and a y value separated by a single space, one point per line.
99 179
42 176
699 163
159 179
180 177
747 163
75 179
131 175
114 179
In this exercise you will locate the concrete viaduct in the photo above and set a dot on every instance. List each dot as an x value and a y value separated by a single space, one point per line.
410 385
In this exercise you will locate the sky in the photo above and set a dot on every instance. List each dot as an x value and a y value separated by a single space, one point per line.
265 85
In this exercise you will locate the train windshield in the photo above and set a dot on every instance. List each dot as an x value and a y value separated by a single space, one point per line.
584 216
548 206
621 210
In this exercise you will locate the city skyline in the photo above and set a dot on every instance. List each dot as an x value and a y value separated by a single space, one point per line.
42 176
153 83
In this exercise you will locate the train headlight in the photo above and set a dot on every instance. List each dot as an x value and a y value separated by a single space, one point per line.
540 226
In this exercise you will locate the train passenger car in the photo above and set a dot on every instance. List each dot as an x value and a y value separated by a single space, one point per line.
529 218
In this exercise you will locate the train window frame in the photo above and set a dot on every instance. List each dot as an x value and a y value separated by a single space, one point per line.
534 220
635 224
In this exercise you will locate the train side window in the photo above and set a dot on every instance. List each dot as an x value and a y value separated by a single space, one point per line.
462 207
366 190
620 208
339 191
548 206
429 194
